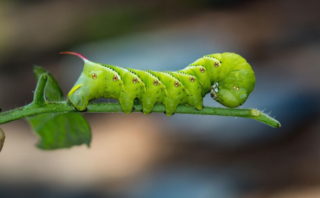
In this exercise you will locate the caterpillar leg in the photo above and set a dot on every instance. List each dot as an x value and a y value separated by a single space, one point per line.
196 100
126 101
150 98
199 105
147 105
171 106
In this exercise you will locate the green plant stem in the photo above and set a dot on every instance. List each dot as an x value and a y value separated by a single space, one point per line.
40 106
64 107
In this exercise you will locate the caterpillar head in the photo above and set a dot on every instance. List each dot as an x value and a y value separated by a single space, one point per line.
90 84
232 79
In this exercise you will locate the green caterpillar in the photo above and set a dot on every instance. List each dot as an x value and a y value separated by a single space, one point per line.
227 76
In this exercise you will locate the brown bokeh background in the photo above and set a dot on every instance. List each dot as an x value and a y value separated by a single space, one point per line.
156 156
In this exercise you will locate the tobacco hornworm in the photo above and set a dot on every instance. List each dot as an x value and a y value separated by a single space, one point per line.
228 77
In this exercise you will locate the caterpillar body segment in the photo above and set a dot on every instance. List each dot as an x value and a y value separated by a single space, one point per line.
199 72
174 93
133 87
154 91
192 89
228 77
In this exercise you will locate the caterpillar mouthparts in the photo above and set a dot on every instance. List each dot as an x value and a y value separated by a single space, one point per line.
214 91
227 77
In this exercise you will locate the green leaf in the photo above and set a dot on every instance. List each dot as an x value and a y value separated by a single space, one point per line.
61 130
53 91
58 130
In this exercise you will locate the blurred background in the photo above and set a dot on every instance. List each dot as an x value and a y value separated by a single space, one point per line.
184 156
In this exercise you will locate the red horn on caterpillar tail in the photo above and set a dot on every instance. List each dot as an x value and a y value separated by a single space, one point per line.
76 54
